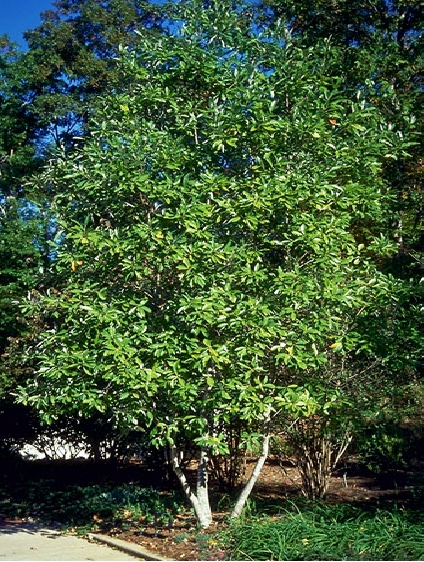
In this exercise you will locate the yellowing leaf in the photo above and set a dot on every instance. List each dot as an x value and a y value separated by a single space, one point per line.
75 264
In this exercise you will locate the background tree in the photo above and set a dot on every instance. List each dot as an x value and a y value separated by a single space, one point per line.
72 58
21 270
24 233
17 152
22 247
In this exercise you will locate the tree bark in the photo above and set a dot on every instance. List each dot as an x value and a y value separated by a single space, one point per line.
252 480
199 501
202 486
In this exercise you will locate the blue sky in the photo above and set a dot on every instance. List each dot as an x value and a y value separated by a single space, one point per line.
17 16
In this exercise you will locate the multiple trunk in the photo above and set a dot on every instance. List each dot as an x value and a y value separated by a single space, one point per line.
199 499
317 457
318 451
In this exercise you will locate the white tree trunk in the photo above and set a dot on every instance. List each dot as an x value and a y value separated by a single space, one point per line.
252 480
200 500
202 486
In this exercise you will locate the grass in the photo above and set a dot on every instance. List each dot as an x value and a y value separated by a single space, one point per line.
328 532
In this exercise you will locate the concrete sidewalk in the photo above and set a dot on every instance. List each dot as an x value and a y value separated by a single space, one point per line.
30 541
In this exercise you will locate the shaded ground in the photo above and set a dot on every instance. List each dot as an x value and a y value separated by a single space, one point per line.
276 489
178 538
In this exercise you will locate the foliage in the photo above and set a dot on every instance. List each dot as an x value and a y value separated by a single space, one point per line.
386 445
87 506
337 532
356 24
20 258
386 448
243 226
21 271
17 152
24 231
229 469
391 436
385 38
226 222
71 59
23 255
21 262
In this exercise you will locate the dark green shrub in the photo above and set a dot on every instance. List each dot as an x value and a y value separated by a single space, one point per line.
386 446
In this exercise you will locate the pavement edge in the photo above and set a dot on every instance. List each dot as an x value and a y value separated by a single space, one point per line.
125 546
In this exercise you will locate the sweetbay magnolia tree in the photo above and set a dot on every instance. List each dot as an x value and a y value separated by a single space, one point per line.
214 261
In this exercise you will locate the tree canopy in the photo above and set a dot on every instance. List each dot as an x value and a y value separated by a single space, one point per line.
230 228
211 224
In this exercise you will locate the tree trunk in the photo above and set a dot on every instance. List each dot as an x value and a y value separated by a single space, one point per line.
200 500
252 480
202 486
316 459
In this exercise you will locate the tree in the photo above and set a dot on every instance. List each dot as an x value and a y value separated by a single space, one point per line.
72 58
21 262
21 245
22 259
354 24
215 254
385 36
17 153
24 234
